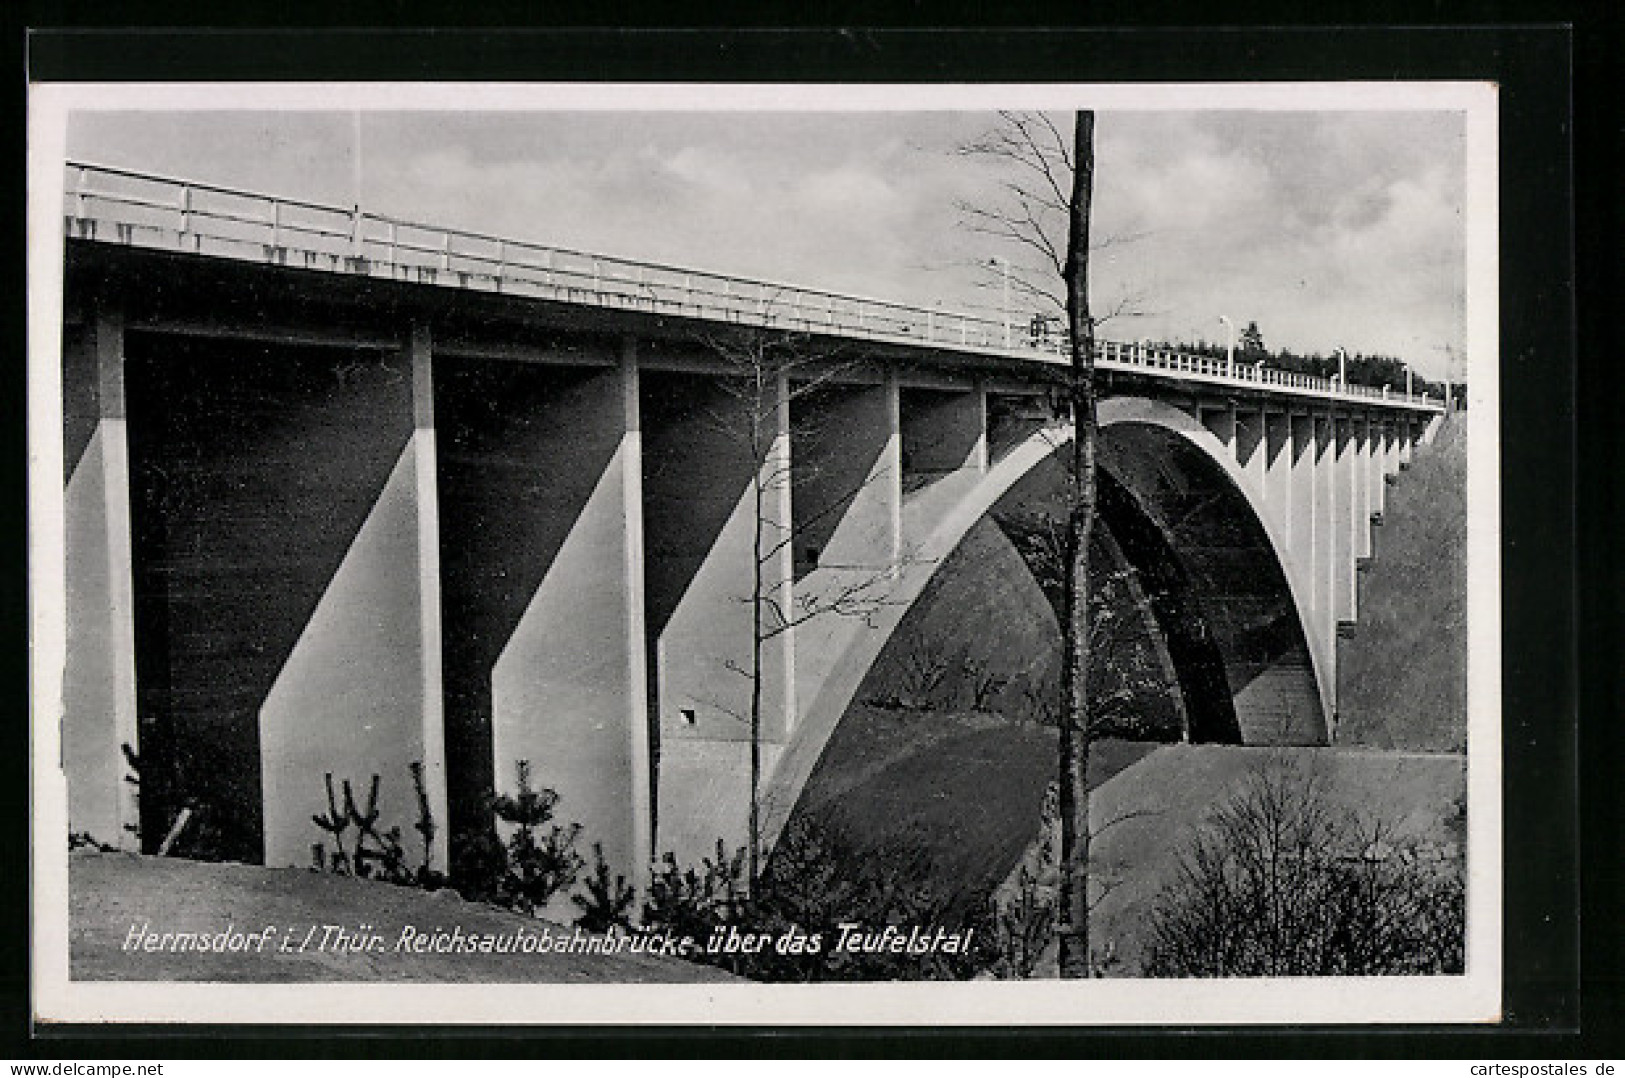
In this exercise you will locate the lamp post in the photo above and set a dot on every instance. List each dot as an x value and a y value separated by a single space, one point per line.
355 162
1343 368
1004 305
1230 349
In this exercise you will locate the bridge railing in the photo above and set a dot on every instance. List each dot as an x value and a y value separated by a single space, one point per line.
147 210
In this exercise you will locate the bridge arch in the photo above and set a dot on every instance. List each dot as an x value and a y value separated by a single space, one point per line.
1164 472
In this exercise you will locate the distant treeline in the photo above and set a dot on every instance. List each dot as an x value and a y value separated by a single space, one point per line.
1373 370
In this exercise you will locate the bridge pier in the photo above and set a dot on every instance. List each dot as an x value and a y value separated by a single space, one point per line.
1324 609
1251 448
1347 512
1307 544
98 678
1379 467
1277 477
700 487
1362 495
1390 450
541 478
360 692
846 457
944 451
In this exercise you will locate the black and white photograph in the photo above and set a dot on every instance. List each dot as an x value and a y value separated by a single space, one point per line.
795 554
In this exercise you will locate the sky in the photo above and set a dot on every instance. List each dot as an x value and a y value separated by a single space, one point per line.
1328 229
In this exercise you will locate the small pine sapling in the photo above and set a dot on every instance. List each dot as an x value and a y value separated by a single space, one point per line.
690 902
608 901
537 868
425 827
364 821
134 779
336 823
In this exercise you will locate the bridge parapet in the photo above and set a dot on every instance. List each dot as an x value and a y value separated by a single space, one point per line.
137 209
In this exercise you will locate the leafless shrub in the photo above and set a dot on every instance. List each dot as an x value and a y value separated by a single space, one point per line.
922 670
980 683
1280 882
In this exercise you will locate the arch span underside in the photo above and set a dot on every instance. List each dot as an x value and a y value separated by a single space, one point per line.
1210 593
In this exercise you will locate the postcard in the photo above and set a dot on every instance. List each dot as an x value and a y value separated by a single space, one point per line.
773 555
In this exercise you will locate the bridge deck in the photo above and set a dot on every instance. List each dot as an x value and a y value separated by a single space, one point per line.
136 209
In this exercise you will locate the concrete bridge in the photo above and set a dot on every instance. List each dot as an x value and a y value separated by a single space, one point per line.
350 494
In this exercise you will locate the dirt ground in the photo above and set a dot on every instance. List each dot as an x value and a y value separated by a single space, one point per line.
117 897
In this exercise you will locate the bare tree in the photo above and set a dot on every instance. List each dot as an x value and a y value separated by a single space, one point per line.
1282 880
766 369
1030 213
1122 670
1043 208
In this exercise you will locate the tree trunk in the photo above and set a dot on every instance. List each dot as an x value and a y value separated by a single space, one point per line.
758 597
1073 897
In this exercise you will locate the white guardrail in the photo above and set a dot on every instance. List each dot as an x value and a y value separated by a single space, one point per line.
139 209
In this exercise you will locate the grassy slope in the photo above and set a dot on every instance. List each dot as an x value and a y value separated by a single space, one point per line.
1402 675
110 893
967 786
1173 791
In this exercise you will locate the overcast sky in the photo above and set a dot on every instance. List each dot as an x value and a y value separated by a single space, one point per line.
1328 229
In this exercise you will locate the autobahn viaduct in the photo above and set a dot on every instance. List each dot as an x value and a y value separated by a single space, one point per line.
346 494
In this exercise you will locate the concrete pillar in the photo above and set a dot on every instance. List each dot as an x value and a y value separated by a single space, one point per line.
847 450
360 692
420 348
542 567
1251 450
98 688
943 450
640 731
701 519
1379 465
848 484
1221 420
1407 438
893 458
1307 534
1325 543
1278 471
979 452
1361 478
1345 518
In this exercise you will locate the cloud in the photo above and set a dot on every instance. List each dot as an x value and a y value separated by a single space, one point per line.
1326 228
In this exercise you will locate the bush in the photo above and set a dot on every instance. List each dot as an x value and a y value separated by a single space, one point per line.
608 901
374 854
691 902
536 864
1281 882
817 879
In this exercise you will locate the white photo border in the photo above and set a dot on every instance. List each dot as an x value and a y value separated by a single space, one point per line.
1472 997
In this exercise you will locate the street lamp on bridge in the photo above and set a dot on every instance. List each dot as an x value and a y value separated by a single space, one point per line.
1004 306
1230 348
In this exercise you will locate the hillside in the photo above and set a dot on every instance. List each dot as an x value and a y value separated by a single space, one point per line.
1402 673
113 895
963 784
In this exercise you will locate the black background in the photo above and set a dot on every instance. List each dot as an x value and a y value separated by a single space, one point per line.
1553 601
